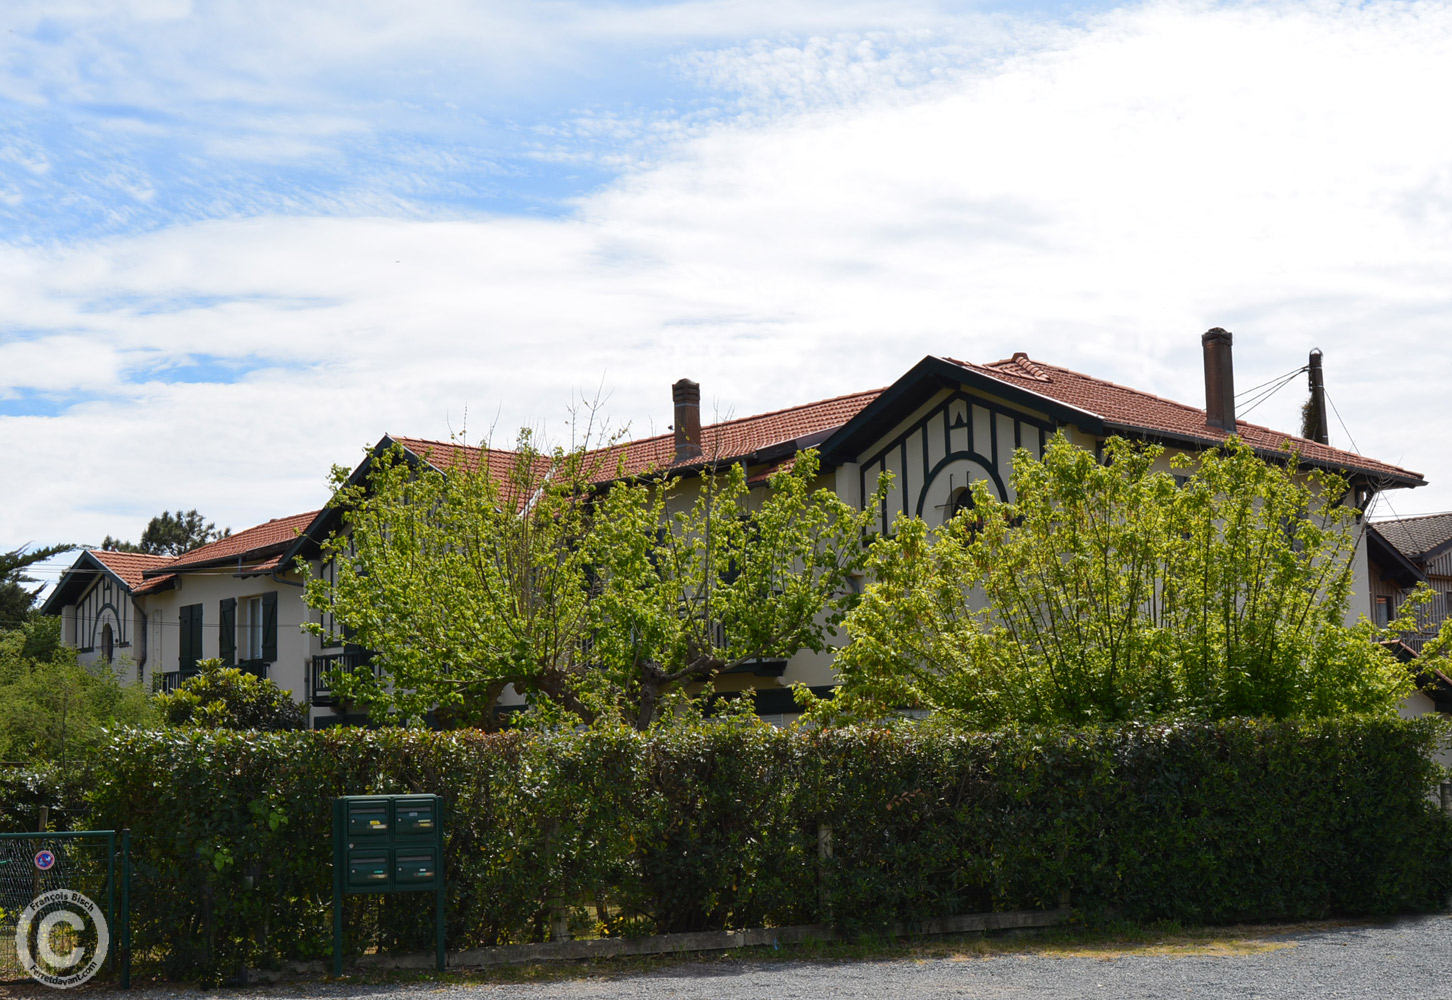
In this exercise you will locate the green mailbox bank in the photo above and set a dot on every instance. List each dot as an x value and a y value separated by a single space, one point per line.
387 843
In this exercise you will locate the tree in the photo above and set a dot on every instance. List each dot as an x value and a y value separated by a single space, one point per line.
228 698
15 598
687 591
170 534
460 582
52 708
593 601
1107 591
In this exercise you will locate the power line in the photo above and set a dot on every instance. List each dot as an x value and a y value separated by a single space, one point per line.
1354 446
1268 393
1278 378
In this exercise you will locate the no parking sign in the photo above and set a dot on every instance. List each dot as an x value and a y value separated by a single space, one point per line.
45 860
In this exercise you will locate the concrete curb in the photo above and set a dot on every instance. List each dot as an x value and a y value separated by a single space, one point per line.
666 944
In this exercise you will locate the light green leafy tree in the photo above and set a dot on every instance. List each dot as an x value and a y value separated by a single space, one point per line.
1107 591
53 709
594 595
697 578
461 581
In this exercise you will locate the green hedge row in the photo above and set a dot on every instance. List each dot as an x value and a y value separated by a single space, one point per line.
718 826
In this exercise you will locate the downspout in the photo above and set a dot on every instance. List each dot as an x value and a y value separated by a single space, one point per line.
142 634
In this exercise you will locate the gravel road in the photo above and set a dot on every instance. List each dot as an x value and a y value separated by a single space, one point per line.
1407 959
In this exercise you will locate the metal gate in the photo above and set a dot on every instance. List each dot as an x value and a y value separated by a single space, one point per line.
69 896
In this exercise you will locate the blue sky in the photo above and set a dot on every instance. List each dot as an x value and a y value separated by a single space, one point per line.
238 242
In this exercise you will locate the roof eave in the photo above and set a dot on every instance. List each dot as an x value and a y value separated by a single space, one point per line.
61 586
1381 479
1410 573
310 540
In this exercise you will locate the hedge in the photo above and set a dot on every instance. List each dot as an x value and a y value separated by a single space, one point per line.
718 826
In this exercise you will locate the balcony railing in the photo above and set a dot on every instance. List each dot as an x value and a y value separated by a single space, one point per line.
168 681
349 660
257 668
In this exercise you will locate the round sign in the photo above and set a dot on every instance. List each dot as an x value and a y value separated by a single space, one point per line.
74 961
45 860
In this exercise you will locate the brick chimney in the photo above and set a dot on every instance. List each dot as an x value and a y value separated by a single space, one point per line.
687 397
1219 379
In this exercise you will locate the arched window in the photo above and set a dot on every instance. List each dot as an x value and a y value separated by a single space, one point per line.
961 500
108 643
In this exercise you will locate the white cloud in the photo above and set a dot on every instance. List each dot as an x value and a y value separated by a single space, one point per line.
1098 197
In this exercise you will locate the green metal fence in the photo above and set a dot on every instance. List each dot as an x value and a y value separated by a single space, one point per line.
41 877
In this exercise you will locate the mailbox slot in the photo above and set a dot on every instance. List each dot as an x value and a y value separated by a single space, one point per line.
415 817
367 869
415 866
368 818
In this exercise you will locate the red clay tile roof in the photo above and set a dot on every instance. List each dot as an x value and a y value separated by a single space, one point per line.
449 454
732 439
444 455
1121 409
251 547
1132 410
128 566
729 439
154 584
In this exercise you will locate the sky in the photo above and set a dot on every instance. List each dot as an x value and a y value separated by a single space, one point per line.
240 242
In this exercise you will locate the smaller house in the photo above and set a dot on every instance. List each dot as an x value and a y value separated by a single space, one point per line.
156 616
1408 551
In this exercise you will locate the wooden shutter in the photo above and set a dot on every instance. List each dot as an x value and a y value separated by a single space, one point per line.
227 631
269 626
183 635
191 638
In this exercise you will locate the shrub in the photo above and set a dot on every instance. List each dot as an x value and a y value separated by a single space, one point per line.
717 826
227 698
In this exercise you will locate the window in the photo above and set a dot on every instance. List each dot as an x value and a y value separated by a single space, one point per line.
251 635
961 500
1384 608
108 643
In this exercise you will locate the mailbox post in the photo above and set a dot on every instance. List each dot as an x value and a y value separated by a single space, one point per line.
387 843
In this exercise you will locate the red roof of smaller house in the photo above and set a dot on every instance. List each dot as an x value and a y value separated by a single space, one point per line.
129 567
1128 409
251 548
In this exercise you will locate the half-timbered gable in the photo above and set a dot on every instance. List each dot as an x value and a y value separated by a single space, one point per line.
935 432
100 615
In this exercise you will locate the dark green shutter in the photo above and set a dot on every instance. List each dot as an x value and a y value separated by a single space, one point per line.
191 638
227 631
269 626
183 636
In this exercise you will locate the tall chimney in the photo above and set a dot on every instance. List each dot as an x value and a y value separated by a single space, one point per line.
1219 379
687 397
1316 428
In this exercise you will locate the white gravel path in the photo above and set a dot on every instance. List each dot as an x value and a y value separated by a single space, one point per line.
1407 959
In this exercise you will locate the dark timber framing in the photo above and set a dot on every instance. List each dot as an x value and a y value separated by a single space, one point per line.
954 416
